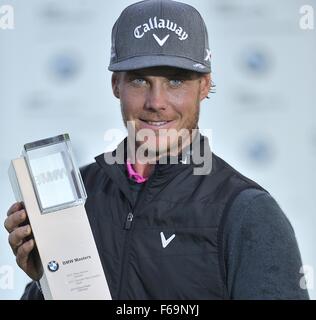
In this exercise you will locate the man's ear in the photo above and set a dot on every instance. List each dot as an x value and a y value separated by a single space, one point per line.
205 85
115 84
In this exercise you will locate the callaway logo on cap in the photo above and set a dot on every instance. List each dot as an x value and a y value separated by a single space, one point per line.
160 33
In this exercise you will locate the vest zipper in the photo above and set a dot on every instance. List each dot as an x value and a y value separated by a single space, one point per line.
128 227
128 222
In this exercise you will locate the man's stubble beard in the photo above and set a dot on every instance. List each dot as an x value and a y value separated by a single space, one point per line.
167 149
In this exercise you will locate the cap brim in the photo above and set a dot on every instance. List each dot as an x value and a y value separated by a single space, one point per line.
159 60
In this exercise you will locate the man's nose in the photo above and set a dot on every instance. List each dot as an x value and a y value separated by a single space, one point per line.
156 98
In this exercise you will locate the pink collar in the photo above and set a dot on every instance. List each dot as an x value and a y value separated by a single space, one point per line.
132 174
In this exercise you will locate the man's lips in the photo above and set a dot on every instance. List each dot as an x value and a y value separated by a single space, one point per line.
161 124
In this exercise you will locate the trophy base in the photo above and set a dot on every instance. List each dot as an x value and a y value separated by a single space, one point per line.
71 263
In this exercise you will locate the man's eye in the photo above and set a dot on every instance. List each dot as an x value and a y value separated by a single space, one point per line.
139 81
175 82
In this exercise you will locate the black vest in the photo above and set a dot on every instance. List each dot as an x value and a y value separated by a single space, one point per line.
173 202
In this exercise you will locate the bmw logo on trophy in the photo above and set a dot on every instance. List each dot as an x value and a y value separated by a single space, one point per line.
46 179
53 266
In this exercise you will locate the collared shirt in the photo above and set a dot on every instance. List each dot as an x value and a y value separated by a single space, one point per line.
132 174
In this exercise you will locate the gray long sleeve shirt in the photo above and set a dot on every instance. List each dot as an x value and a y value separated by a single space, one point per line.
262 256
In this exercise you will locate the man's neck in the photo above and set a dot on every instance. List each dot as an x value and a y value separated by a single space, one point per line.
146 169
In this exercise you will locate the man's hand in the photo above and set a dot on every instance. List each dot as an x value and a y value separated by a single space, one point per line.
22 242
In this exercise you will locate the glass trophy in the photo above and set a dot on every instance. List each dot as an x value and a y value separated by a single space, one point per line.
55 177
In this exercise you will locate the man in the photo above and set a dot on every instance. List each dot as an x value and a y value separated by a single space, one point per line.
167 225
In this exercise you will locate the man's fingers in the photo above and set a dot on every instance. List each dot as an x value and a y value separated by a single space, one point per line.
17 236
15 207
23 253
14 220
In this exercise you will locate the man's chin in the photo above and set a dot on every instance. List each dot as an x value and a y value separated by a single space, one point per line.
156 144
153 150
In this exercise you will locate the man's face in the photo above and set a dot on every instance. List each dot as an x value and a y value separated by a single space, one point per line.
159 99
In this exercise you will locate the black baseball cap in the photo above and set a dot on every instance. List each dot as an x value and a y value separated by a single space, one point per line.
155 33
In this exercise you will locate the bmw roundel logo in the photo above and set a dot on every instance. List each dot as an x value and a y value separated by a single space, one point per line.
53 266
